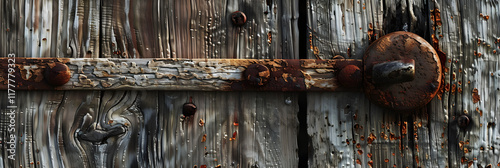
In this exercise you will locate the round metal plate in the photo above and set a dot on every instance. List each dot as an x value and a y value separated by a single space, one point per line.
404 96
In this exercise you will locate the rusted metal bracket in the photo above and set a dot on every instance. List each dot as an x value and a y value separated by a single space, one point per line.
173 74
387 73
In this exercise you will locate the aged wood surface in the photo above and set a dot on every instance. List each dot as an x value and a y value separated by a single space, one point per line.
343 128
148 29
178 74
469 36
266 126
358 133
242 129
465 33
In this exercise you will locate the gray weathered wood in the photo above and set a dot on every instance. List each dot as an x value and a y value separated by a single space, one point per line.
263 125
339 124
469 37
153 29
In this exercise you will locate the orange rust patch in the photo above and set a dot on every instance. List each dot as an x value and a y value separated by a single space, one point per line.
461 145
475 96
269 37
360 152
403 129
234 136
383 135
463 160
470 163
453 88
359 161
371 138
201 123
436 17
370 163
204 138
392 136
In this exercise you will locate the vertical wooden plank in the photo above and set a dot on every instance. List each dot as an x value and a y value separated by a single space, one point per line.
447 33
382 138
470 43
12 28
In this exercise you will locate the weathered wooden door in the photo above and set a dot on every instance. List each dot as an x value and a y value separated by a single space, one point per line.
116 112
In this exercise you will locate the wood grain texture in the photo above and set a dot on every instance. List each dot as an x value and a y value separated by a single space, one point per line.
149 29
242 129
144 128
469 37
155 135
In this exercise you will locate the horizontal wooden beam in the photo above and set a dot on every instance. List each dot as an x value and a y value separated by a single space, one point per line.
171 74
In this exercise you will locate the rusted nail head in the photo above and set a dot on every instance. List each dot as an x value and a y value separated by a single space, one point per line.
257 74
239 18
57 74
350 76
189 109
463 121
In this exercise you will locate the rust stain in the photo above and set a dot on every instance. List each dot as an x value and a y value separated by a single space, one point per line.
475 96
360 152
371 138
470 163
369 155
359 162
383 135
463 160
201 123
347 141
403 129
204 138
453 88
234 136
392 137
371 35
370 163
485 17
269 37
436 17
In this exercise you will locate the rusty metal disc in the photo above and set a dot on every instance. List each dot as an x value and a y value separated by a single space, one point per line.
401 95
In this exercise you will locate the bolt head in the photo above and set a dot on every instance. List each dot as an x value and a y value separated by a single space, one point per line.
257 74
350 76
189 109
463 121
57 74
239 18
